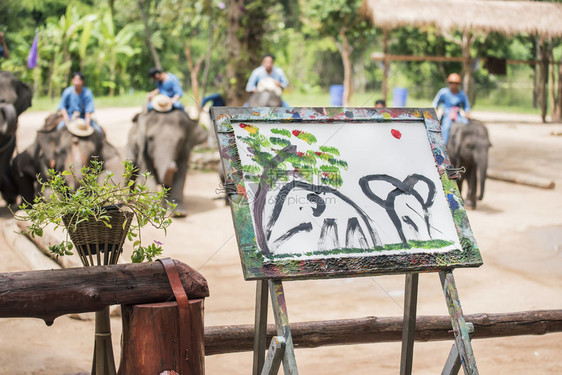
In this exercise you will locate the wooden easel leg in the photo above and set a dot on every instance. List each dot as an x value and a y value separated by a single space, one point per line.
453 364
260 326
409 324
282 322
460 327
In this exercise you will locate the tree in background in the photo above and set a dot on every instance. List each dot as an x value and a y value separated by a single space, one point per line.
341 21
245 31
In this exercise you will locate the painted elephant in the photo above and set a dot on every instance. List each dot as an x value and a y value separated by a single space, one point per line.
160 143
406 202
15 97
468 147
329 220
59 149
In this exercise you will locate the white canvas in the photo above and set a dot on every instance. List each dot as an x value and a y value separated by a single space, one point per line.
390 198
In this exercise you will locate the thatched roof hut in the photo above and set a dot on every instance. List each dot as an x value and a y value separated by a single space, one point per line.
471 17
506 17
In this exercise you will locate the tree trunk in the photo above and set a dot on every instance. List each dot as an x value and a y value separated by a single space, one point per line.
345 52
553 103
467 73
543 78
386 65
535 48
193 72
148 34
558 116
210 44
246 21
49 294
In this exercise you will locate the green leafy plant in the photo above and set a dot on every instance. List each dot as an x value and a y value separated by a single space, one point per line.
98 193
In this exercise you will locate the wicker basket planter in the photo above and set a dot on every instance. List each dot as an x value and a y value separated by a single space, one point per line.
97 243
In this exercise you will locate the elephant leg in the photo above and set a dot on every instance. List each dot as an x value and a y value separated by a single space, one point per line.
178 184
471 194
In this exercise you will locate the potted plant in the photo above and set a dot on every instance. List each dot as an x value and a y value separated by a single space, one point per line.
100 214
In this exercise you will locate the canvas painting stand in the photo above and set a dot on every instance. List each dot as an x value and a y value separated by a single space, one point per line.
281 349
394 209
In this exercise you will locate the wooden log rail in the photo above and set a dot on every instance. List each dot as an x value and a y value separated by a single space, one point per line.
239 338
49 294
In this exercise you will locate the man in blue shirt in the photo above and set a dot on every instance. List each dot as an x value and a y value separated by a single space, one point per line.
166 84
452 99
77 101
267 70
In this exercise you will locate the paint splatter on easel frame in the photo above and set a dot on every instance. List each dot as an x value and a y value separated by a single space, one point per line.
307 200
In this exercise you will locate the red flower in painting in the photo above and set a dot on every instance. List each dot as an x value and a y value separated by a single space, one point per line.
396 133
244 126
300 154
318 153
296 133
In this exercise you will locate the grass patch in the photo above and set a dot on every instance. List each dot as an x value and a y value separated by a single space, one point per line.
413 244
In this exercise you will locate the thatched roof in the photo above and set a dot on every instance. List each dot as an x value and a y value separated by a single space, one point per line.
506 17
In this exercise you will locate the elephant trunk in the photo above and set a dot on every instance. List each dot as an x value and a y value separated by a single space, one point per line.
481 170
166 175
9 121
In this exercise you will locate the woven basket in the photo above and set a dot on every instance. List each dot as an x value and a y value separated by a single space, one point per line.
95 242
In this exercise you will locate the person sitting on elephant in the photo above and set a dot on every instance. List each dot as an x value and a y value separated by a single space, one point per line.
268 70
166 84
452 99
77 101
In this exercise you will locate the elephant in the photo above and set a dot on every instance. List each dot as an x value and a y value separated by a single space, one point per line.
468 147
15 98
265 99
407 203
59 149
160 143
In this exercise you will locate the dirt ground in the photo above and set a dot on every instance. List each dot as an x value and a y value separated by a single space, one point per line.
518 229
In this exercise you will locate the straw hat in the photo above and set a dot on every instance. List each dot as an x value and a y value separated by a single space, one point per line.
79 128
454 78
268 84
161 103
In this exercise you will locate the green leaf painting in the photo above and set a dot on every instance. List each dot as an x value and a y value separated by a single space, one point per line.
283 154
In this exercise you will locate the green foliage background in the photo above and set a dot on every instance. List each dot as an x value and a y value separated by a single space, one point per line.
106 40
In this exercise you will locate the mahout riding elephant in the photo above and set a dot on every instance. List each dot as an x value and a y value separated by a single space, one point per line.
60 149
15 97
468 147
160 143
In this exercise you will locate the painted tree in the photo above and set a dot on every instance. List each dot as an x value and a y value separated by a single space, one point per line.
284 155
342 21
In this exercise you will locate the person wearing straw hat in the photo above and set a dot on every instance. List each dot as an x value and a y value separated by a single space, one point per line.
167 84
452 99
77 101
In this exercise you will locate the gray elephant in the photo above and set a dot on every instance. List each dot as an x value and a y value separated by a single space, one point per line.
58 149
160 143
15 98
468 147
265 99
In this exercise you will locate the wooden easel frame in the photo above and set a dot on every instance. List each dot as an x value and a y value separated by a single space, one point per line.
269 273
281 348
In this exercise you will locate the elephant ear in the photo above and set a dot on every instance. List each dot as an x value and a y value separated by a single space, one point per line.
377 187
422 188
24 94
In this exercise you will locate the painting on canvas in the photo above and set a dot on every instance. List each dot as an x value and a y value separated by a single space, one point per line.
329 191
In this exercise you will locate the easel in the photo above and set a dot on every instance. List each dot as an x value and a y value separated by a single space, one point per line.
281 348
